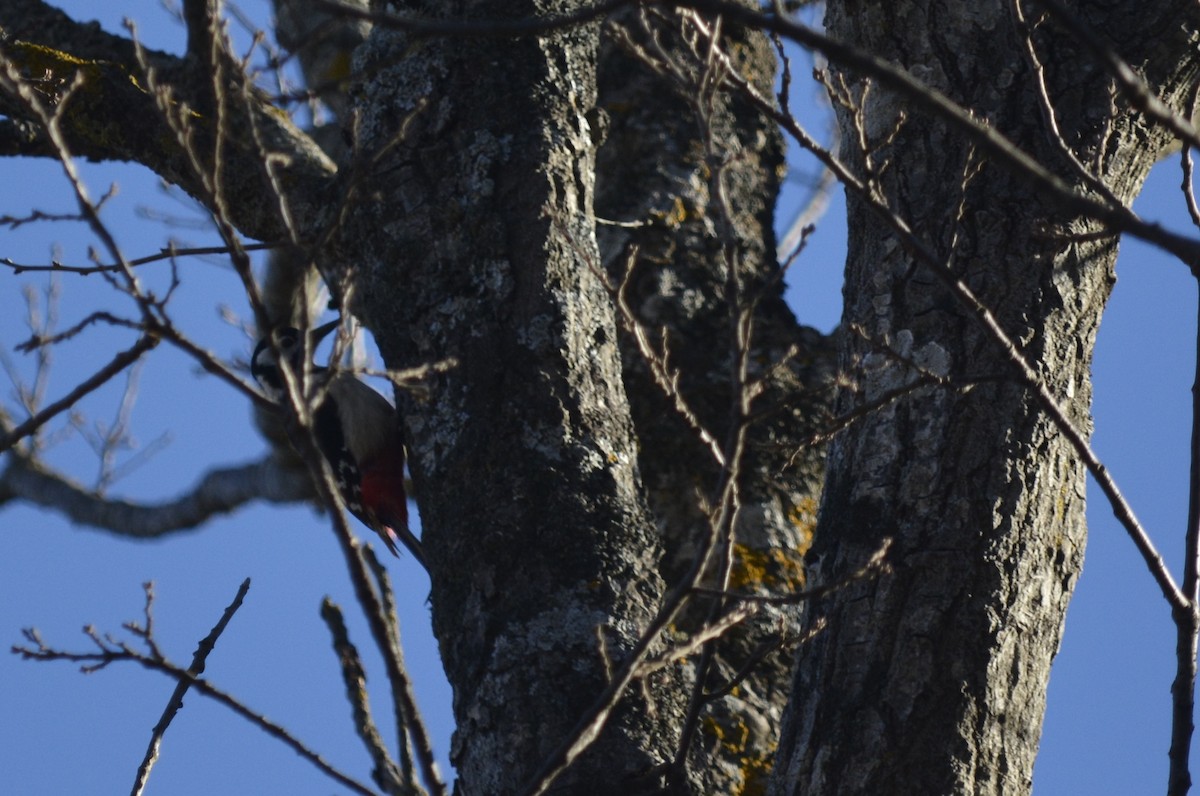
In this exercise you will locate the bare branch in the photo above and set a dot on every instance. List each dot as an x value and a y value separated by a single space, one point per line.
206 646
92 383
167 253
817 628
987 138
776 20
110 651
410 724
711 631
1188 188
218 492
1187 620
1047 106
95 123
665 375
385 773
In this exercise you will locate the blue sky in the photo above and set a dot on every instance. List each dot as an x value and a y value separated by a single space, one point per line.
1107 721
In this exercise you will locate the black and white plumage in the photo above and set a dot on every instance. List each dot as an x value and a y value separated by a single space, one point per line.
357 431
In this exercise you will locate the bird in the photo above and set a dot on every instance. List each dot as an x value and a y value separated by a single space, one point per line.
357 431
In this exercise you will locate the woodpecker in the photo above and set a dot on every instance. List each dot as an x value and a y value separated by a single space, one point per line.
357 432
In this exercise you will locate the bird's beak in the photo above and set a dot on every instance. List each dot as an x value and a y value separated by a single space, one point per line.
315 336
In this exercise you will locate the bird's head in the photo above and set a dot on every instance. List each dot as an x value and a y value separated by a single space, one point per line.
288 346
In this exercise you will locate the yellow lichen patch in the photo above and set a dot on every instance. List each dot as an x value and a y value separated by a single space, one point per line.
743 59
734 740
803 517
674 215
777 569
38 56
774 569
50 71
1060 500
755 772
749 567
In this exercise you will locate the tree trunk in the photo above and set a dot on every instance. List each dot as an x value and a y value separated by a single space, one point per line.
527 460
481 249
653 168
932 679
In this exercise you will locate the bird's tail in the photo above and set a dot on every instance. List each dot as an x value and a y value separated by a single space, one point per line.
392 537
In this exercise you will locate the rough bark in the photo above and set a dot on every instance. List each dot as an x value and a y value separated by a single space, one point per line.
932 679
472 236
557 487
108 88
480 247
654 168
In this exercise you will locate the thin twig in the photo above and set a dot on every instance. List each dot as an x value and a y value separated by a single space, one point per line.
412 725
1187 619
94 382
817 628
42 338
113 652
218 491
987 138
666 378
206 646
366 590
385 773
716 72
1188 188
1025 33
400 708
167 253
710 631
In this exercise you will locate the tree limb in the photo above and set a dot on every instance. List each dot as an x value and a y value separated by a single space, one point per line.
54 52
220 491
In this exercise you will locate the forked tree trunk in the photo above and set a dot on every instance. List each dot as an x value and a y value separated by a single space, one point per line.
557 492
530 454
